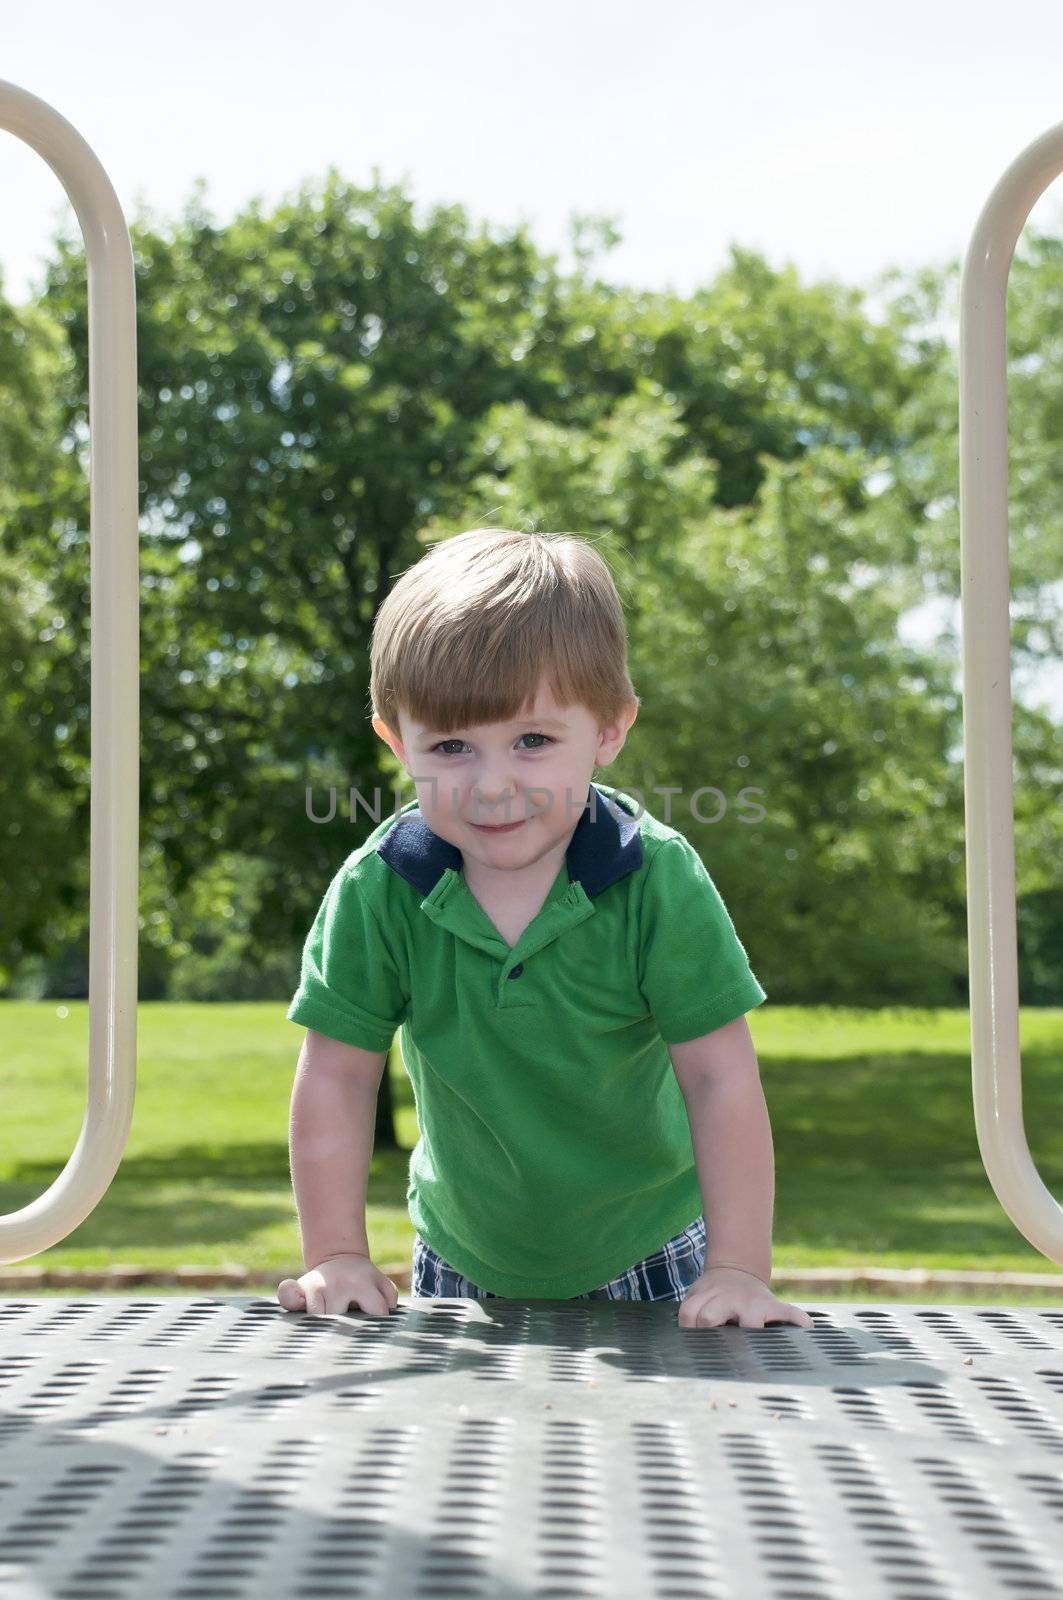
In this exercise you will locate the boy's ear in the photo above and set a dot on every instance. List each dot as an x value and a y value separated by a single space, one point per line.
391 739
617 732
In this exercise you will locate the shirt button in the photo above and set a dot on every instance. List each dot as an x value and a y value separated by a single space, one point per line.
516 971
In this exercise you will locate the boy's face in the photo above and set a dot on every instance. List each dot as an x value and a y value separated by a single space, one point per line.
532 773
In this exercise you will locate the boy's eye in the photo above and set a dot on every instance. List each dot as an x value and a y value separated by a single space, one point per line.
544 736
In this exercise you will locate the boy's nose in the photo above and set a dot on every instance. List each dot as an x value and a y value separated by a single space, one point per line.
491 791
495 805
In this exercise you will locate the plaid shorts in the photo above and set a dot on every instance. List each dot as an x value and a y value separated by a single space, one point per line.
667 1274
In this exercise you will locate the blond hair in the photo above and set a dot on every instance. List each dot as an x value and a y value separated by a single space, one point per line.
467 634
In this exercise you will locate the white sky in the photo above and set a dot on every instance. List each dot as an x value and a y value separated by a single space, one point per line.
838 136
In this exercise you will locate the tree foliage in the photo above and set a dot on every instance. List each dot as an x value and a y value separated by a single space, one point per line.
325 388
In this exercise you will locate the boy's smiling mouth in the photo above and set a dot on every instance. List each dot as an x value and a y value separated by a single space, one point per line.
499 827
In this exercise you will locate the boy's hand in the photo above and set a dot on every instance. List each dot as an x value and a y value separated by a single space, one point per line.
337 1283
723 1294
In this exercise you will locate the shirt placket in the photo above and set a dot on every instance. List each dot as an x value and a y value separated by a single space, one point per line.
465 918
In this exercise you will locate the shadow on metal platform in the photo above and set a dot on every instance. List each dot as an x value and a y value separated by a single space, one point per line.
514 1449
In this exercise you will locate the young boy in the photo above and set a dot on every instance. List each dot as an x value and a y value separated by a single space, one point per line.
570 988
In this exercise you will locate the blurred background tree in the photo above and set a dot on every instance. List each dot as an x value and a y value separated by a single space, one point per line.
770 469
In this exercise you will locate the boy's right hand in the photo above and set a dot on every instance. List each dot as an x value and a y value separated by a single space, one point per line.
337 1283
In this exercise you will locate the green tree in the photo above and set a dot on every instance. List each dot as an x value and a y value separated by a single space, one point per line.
325 387
46 885
763 644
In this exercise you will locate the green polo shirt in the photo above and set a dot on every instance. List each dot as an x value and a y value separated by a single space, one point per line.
555 1150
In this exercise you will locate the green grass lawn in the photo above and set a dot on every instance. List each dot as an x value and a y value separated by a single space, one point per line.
875 1150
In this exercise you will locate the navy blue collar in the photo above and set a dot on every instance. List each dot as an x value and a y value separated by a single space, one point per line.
605 846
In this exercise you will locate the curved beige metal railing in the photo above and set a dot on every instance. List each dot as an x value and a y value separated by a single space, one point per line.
985 592
114 703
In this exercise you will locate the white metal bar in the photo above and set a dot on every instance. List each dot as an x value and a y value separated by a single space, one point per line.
985 593
114 689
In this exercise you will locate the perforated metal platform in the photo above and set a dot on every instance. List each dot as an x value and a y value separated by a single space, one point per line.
214 1447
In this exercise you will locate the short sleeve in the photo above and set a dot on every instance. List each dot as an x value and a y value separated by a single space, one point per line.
694 973
350 986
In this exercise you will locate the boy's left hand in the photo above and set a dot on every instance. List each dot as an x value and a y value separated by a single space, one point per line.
723 1294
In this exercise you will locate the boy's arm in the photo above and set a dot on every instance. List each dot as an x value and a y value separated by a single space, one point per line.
731 1134
332 1116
